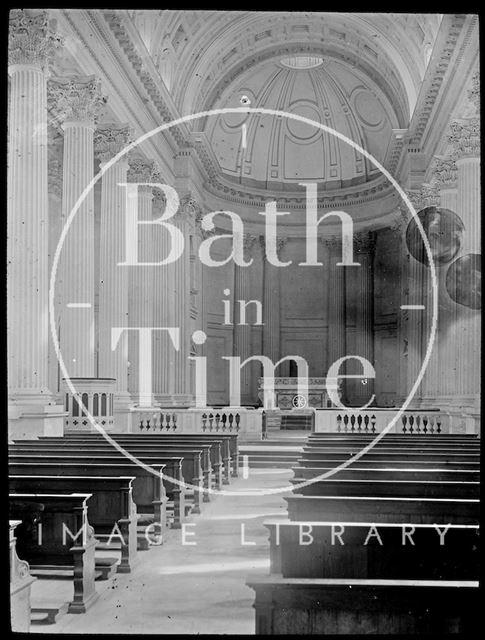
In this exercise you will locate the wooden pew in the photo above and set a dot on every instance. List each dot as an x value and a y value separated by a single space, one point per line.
110 506
172 470
295 606
210 457
356 473
382 509
229 440
148 489
59 514
335 486
220 447
20 586
380 454
374 550
413 463
191 458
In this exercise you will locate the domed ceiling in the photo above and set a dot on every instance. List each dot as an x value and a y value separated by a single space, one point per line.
279 152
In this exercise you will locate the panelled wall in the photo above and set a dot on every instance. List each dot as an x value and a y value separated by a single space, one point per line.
319 313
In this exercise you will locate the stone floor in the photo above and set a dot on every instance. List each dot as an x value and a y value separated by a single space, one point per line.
196 588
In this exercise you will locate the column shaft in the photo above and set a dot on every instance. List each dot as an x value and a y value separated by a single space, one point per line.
28 331
113 279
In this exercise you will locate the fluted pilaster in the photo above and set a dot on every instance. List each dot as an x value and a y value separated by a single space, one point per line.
110 139
271 304
141 277
77 102
362 390
30 43
242 333
465 140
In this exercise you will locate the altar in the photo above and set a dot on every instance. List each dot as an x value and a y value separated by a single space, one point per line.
286 394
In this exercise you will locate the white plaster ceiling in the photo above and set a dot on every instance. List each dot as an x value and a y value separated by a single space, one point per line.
281 150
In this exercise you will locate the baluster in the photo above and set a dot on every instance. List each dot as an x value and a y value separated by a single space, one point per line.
425 424
438 426
218 419
404 420
411 422
204 421
339 423
431 424
224 420
148 424
174 418
238 420
231 420
140 425
211 420
418 422
373 422
366 423
346 422
352 422
359 423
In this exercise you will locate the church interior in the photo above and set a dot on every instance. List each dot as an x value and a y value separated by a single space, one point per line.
243 321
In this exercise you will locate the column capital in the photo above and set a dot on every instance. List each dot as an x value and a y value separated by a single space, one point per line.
445 173
190 207
426 196
364 241
331 242
32 37
248 242
142 169
111 138
474 92
465 138
401 221
76 98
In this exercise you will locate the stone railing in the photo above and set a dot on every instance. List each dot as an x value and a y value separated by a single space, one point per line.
247 423
94 394
411 422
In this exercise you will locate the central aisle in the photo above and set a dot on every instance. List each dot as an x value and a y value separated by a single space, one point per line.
193 589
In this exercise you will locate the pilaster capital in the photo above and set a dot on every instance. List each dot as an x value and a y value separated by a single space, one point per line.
364 241
401 220
474 92
110 139
445 173
331 242
76 98
190 207
465 138
427 196
142 169
32 37
248 242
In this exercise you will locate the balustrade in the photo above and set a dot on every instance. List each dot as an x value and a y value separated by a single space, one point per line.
374 421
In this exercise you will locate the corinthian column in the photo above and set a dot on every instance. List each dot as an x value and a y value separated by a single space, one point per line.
364 330
109 140
242 332
140 307
181 308
31 42
438 380
465 138
335 303
163 310
77 102
271 305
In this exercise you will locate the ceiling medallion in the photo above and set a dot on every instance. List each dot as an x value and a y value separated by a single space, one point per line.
302 62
